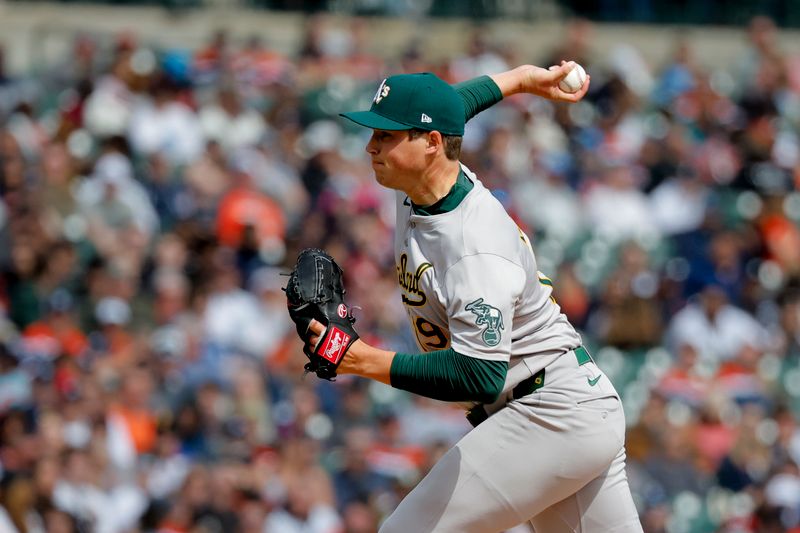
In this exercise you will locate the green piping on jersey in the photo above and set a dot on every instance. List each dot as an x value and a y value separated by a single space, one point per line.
460 188
449 376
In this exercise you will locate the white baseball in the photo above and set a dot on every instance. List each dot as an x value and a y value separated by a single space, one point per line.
573 81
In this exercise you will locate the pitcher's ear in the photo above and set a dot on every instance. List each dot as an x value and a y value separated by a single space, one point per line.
435 141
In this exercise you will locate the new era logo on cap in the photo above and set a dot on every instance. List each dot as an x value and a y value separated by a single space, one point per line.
425 118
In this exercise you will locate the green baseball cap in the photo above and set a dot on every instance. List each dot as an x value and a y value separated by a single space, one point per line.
414 101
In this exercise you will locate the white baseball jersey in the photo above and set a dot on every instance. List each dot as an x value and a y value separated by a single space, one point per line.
469 281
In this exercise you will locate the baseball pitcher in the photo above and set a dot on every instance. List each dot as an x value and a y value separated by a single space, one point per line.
548 444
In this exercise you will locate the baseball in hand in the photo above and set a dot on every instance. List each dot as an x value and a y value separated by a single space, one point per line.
573 81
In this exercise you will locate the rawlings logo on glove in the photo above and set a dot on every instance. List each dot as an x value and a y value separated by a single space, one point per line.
315 292
338 342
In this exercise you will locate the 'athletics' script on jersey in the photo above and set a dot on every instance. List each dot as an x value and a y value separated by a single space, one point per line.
488 316
412 295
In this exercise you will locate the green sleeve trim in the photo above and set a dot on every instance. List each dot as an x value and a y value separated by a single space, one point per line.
478 94
449 376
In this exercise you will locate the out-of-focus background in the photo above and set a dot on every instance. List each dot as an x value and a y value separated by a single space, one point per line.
161 163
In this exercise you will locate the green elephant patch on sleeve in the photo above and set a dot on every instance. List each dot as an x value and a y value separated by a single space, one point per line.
490 318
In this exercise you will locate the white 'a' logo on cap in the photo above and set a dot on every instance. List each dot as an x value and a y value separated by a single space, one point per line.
381 93
425 118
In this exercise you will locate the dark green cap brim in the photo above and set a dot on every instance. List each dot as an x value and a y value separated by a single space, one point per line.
370 119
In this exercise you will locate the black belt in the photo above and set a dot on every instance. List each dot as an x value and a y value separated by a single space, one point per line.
478 414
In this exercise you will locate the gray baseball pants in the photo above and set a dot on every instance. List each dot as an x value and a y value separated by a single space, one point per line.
554 459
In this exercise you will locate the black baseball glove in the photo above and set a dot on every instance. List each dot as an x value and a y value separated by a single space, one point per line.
315 291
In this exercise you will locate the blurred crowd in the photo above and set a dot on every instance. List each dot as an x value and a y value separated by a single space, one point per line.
150 380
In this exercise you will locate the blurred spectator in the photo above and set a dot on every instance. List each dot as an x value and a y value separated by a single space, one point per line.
113 314
783 489
679 203
211 61
629 316
162 124
16 388
24 305
108 108
748 462
26 129
715 328
673 467
273 175
257 65
302 514
359 518
207 179
231 124
685 381
57 332
121 219
616 208
781 236
555 197
762 168
479 58
17 513
739 379
575 43
247 217
233 317
267 284
58 521
132 425
356 481
762 48
167 193
678 76
81 493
